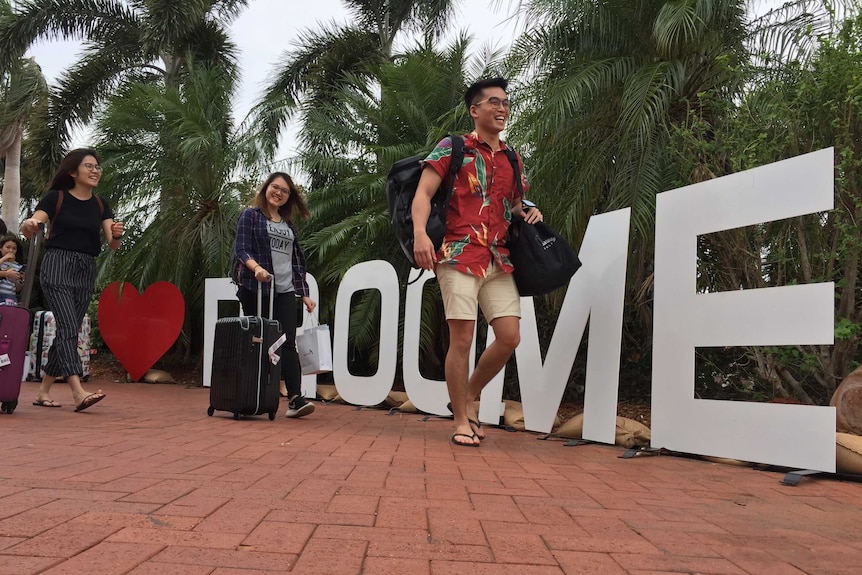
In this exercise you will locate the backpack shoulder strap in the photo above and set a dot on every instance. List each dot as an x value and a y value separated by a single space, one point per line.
516 167
454 167
57 205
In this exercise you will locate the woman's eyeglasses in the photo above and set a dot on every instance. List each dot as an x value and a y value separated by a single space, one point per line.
277 188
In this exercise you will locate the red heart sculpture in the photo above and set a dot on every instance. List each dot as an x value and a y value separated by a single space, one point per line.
140 328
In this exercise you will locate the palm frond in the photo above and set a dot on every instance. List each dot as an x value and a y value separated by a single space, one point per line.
792 30
179 140
89 20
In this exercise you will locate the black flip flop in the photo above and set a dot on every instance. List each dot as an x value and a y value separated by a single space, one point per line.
477 425
90 401
46 403
471 436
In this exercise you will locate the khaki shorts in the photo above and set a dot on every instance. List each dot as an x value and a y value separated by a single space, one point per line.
496 293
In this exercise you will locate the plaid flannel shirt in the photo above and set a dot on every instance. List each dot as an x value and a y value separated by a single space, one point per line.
252 241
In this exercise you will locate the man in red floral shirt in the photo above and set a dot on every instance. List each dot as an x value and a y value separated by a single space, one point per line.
473 266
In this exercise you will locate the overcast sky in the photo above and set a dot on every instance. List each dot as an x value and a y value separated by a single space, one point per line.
267 28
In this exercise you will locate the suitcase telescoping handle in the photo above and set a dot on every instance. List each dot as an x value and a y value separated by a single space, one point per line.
260 296
32 257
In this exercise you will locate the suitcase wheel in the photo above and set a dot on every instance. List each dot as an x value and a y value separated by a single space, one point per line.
236 415
271 415
8 406
210 410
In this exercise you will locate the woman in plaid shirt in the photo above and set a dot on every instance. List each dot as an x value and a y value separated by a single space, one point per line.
267 247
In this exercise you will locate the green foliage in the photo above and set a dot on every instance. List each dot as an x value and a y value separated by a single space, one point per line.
794 109
180 139
332 56
846 330
605 82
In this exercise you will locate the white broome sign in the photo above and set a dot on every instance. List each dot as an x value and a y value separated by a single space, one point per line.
788 435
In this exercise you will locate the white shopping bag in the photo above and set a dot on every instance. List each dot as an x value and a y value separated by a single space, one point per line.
315 350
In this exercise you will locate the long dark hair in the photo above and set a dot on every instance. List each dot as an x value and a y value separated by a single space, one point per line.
63 178
295 204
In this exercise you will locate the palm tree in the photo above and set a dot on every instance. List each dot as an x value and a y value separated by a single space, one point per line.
133 40
179 138
604 82
23 94
611 76
310 76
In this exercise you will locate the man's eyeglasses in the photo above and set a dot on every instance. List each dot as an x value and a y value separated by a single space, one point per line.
495 102
92 167
277 188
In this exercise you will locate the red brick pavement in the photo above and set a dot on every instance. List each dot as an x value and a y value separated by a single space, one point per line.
145 483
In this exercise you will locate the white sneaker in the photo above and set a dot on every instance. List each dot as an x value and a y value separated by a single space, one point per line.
298 407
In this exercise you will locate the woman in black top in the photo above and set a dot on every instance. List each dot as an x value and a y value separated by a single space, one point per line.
68 272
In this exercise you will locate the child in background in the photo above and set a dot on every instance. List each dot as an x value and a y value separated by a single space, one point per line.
11 274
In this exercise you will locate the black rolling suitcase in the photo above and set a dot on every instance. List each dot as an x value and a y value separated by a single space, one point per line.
244 379
15 334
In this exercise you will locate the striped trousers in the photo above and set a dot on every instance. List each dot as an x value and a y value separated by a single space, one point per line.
67 280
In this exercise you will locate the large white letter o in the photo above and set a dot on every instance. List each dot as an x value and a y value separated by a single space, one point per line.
370 390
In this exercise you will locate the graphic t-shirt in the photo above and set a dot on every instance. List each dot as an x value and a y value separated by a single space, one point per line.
281 244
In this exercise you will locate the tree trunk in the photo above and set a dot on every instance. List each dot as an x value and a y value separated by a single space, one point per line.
12 183
173 67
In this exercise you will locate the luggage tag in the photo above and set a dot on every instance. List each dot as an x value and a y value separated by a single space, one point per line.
274 358
4 360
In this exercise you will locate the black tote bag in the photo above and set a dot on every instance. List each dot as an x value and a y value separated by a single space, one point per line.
543 260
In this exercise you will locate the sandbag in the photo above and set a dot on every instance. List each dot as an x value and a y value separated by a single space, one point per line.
157 376
326 392
513 416
848 453
847 401
725 460
629 433
408 407
572 428
396 398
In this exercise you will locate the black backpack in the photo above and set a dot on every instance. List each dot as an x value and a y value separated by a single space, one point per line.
401 187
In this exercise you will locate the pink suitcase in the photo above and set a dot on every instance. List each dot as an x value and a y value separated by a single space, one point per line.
15 335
